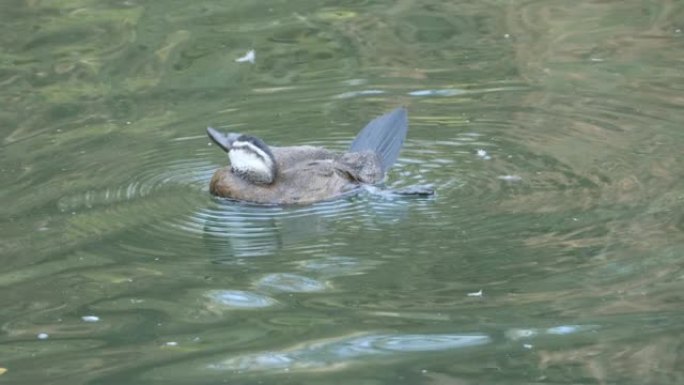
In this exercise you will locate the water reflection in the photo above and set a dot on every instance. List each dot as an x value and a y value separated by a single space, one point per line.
334 266
341 352
323 355
518 334
289 283
550 131
237 230
236 299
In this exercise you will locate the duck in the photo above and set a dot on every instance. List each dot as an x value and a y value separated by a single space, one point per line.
304 174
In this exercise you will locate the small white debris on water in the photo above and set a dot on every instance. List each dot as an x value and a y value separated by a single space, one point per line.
352 94
42 336
355 82
596 59
527 346
249 57
475 294
509 178
564 329
442 92
516 334
483 154
171 343
90 318
506 36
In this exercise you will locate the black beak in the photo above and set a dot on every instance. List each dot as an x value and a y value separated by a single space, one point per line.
225 141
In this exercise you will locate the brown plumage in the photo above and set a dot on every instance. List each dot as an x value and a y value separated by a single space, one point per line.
305 174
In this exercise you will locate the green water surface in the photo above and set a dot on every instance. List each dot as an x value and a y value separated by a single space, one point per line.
552 253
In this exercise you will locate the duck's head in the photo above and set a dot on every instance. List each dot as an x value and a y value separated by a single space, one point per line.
250 158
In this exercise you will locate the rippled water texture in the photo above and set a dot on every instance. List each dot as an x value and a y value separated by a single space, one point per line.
552 251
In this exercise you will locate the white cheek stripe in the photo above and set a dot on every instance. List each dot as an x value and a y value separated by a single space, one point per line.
244 158
253 148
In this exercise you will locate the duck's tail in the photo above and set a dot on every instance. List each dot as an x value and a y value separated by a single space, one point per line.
384 135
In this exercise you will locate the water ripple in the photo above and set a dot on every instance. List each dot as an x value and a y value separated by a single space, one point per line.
237 299
341 352
289 283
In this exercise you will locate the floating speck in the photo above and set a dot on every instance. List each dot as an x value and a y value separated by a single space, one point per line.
444 92
42 336
475 294
171 343
90 318
564 329
249 57
353 94
422 93
527 346
483 154
506 36
509 178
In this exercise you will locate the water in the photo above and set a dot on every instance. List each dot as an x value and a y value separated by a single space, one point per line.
551 252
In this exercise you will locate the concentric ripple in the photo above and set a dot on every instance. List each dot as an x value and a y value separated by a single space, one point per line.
165 201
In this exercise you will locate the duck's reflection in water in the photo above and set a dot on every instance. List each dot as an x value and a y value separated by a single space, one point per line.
235 230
